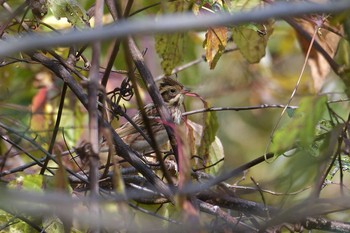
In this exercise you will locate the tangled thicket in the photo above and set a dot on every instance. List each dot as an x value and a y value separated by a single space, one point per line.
84 82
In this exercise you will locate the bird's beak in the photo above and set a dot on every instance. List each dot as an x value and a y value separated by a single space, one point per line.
185 90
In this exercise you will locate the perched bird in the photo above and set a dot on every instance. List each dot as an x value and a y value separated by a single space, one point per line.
173 96
172 93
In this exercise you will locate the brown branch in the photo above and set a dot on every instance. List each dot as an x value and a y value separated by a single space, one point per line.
237 108
154 144
154 93
56 128
121 148
224 176
40 148
235 223
326 225
234 203
92 88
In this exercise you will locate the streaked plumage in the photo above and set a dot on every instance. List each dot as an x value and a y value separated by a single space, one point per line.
172 93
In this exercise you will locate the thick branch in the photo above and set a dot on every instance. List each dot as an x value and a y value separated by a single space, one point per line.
154 93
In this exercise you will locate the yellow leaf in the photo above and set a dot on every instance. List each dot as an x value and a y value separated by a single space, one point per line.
215 44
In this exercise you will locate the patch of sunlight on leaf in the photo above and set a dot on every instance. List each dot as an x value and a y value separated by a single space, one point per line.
302 127
252 40
55 22
70 9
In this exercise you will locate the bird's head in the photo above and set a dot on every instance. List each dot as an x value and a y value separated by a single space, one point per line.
172 91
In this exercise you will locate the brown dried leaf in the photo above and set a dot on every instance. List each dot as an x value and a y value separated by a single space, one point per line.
328 40
215 44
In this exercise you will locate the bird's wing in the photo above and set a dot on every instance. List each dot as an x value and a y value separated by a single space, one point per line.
128 128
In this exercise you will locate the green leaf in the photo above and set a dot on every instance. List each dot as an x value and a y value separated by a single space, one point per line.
343 57
303 126
317 107
290 112
27 182
216 153
53 224
71 10
252 40
170 46
239 5
209 132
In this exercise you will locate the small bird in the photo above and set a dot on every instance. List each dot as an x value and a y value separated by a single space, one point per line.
172 93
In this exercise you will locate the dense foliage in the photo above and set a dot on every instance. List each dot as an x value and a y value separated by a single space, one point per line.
264 141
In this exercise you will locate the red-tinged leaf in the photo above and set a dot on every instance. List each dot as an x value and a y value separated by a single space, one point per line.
215 44
39 100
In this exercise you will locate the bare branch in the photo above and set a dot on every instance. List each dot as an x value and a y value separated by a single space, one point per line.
237 108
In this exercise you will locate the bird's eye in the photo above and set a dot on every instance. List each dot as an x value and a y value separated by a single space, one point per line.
172 90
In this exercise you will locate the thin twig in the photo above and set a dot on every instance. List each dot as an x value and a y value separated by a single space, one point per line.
263 106
294 90
194 188
159 103
56 128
